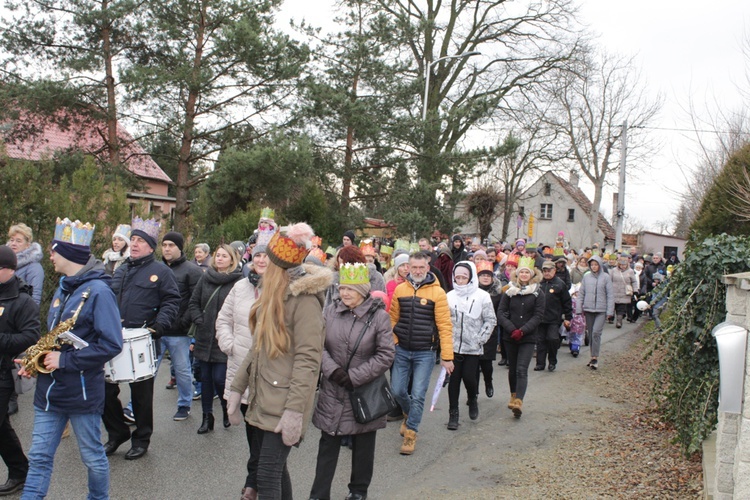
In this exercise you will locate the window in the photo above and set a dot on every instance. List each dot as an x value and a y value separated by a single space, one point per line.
547 189
521 211
571 215
546 211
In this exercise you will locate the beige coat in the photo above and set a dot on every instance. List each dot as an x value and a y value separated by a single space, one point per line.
233 329
289 381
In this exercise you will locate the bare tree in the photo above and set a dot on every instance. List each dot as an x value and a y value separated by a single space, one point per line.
593 97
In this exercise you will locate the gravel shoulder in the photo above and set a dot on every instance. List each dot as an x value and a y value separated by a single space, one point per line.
583 434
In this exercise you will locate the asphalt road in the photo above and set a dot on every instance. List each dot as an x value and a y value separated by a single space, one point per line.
183 464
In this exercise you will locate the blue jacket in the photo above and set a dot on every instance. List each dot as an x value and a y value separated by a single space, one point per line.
147 293
78 385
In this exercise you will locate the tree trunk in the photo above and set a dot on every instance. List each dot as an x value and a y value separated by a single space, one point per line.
113 143
183 163
348 156
594 222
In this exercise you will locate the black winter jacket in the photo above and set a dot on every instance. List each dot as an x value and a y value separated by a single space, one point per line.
204 310
523 311
146 293
19 324
557 301
187 274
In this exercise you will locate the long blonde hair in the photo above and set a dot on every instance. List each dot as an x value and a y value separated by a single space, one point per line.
267 314
234 259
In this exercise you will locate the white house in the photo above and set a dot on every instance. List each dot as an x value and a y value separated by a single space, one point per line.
551 205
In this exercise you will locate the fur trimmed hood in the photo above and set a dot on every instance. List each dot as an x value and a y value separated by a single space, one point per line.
30 255
515 288
315 280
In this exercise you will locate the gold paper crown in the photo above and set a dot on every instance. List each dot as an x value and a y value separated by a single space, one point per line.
526 262
317 241
76 232
557 251
512 260
401 244
484 265
414 248
369 250
284 252
149 226
354 274
386 250
267 213
330 251
319 254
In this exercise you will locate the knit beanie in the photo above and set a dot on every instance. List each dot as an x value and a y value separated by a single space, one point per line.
146 237
78 254
8 258
401 259
175 238
350 234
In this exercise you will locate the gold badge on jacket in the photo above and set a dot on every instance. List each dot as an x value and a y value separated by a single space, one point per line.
2 310
56 303
551 290
154 278
423 302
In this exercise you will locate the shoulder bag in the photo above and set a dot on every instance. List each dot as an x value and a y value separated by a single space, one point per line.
375 398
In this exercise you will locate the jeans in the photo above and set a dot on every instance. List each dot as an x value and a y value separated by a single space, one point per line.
272 475
363 461
594 327
10 446
519 358
213 378
465 369
179 350
418 365
48 429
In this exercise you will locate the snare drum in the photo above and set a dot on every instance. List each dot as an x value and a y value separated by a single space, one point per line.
136 362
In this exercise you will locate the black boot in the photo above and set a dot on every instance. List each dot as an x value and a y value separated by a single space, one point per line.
473 409
207 424
453 419
488 389
227 423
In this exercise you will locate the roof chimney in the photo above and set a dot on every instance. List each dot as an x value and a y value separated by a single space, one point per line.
573 178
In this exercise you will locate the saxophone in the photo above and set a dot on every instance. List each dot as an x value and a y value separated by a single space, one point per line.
33 362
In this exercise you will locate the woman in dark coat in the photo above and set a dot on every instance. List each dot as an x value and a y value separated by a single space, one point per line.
208 297
345 319
490 284
520 312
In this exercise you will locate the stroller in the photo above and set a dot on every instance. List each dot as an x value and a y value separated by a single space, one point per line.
577 326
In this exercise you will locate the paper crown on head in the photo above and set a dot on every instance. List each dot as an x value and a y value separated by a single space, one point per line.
386 250
330 251
512 260
318 254
149 226
77 233
369 250
267 213
401 244
414 248
557 251
317 241
484 266
290 245
526 262
364 242
354 274
531 246
264 237
123 231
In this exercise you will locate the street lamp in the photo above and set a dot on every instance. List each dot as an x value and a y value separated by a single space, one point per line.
428 71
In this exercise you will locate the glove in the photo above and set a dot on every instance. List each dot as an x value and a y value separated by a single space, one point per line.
158 330
340 377
233 408
290 427
517 335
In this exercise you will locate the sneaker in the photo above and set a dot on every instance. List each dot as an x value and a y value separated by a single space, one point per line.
594 364
196 395
172 383
182 413
128 414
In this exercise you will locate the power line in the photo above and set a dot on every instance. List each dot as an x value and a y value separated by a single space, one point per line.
695 130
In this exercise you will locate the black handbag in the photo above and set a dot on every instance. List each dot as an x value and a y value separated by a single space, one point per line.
375 398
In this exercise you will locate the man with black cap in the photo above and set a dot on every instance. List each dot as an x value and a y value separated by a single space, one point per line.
348 238
148 296
73 389
19 329
175 339
558 304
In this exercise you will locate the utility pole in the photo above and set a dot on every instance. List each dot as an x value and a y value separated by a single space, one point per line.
621 187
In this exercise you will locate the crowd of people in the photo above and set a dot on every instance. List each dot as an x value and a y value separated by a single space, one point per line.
281 331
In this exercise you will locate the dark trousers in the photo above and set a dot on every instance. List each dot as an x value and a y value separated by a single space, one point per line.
252 465
363 461
213 378
10 446
623 310
548 344
486 366
519 358
272 475
465 368
142 396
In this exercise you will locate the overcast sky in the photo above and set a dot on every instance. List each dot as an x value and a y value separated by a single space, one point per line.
687 50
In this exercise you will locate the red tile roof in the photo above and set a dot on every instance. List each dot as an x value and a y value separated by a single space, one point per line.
583 201
34 139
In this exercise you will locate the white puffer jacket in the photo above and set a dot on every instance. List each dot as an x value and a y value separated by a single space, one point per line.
233 329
